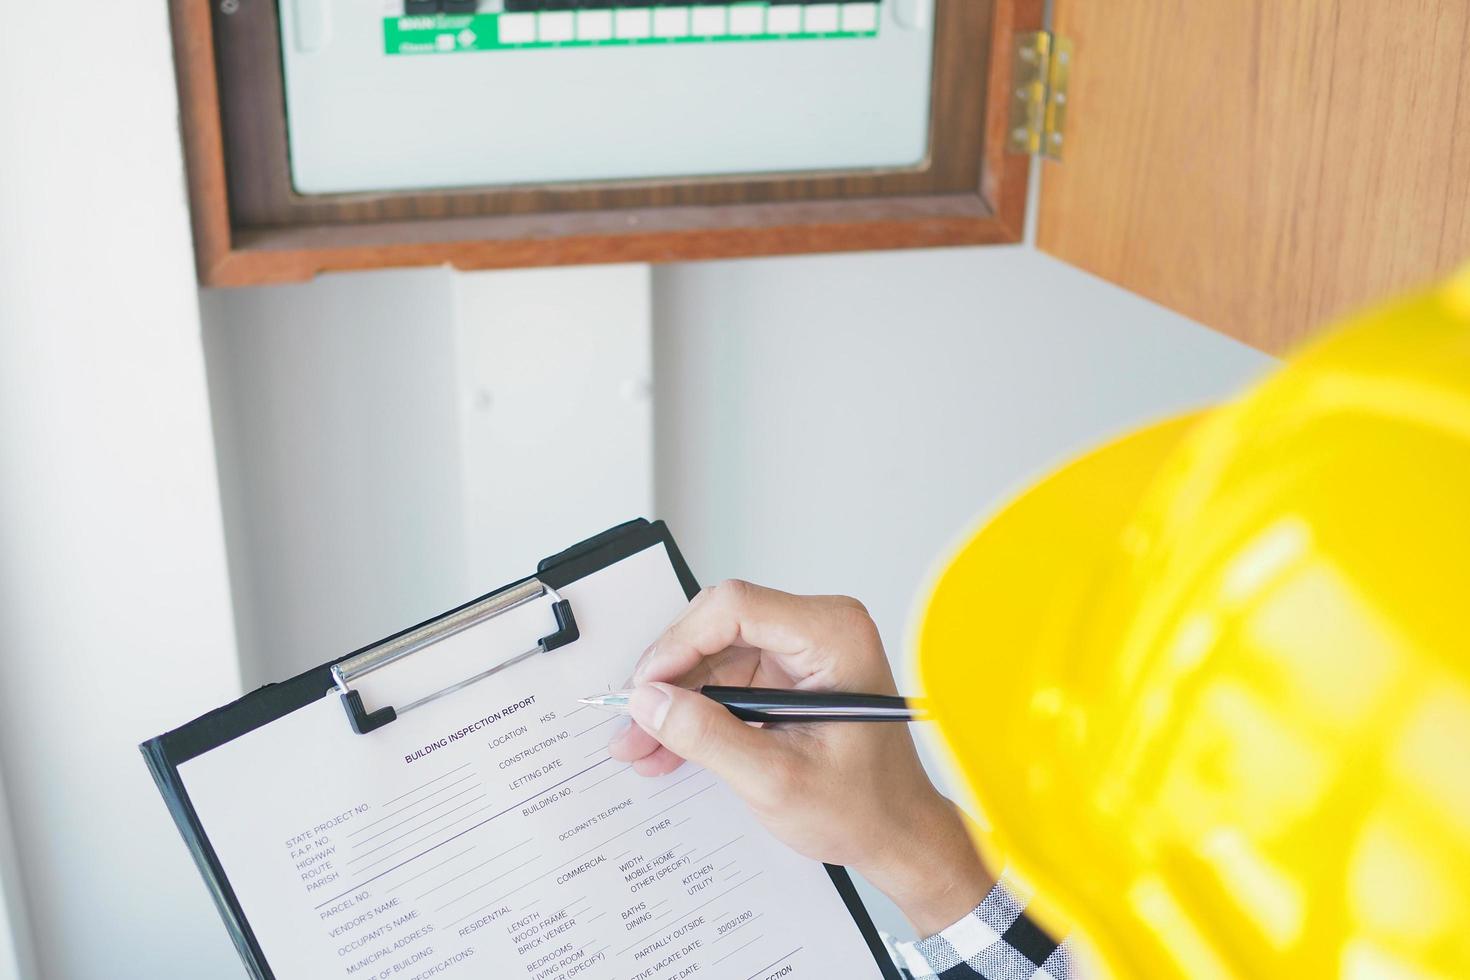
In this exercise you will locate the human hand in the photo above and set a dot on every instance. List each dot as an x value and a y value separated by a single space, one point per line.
845 793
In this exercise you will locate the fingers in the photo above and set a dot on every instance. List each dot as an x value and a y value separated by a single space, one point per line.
806 634
631 744
661 762
693 727
643 658
738 633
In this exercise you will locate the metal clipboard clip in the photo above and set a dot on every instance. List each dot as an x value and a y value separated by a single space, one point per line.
373 658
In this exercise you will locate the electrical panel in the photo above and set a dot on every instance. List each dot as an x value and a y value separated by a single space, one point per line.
399 95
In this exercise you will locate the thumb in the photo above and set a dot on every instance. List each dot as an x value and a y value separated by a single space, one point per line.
704 732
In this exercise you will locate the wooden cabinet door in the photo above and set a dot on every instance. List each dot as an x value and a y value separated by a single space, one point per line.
1263 165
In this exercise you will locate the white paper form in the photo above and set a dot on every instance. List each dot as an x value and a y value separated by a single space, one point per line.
489 834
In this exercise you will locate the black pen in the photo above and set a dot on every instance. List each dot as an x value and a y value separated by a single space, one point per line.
771 704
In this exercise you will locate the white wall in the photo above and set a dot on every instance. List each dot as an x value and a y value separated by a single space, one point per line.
17 954
336 419
556 407
115 621
394 443
831 424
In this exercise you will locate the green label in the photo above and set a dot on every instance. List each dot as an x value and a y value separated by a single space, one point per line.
457 33
440 34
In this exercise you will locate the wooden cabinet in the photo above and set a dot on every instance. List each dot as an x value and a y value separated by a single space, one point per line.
1264 166
1259 166
252 227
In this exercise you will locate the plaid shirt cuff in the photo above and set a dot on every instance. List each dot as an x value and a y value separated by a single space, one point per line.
994 942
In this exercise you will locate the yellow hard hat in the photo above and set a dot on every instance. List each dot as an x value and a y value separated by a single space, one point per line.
1210 683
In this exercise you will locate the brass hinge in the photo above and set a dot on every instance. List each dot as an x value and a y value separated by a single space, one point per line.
1040 66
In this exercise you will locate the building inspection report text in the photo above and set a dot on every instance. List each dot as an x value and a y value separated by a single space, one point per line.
488 833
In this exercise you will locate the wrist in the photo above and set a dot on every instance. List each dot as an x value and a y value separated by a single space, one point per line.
933 874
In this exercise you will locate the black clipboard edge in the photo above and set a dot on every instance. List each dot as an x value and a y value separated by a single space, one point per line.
584 548
568 561
166 776
166 752
859 912
611 547
266 704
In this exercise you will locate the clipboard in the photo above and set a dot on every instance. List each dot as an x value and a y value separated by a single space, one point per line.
340 679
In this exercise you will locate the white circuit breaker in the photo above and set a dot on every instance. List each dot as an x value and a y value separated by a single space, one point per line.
385 95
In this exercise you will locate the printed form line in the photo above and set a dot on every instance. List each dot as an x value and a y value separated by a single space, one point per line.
693 910
429 783
775 963
458 835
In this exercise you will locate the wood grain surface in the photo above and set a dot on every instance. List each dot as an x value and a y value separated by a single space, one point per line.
1264 165
250 226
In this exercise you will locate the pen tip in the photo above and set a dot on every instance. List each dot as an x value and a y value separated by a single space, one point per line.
613 700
